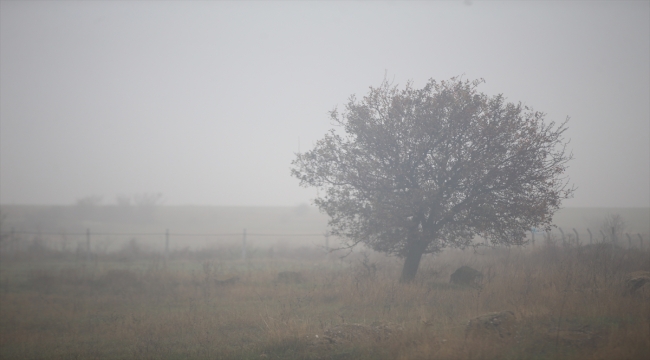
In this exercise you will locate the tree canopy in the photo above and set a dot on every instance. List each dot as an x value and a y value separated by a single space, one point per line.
413 171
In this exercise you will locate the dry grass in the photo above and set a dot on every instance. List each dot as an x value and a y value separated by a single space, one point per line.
568 303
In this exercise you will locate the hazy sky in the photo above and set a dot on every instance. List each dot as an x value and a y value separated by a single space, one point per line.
207 102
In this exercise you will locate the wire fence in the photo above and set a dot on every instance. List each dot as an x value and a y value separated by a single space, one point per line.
100 241
15 239
50 233
574 237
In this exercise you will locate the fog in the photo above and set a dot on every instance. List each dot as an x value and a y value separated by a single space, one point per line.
208 102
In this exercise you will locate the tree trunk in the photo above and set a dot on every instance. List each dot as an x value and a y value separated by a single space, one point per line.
412 262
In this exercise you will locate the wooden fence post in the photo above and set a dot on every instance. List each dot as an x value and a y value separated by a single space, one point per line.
563 240
591 237
88 246
166 245
577 236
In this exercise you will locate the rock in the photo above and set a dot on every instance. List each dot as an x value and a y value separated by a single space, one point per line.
637 281
466 276
498 325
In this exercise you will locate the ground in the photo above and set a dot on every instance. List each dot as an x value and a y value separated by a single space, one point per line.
555 302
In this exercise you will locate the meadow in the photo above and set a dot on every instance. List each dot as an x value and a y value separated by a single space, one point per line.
551 301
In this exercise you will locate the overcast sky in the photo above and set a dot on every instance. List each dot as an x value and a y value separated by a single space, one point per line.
207 102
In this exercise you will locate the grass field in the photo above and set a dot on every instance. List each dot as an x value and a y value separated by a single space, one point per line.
561 303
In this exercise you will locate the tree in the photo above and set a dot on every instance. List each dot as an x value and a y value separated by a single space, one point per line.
410 172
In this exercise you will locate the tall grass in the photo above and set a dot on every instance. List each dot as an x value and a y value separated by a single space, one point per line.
569 303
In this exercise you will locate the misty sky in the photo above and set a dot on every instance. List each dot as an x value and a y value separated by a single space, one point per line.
207 102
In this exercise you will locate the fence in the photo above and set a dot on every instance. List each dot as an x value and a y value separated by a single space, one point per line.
13 238
573 238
